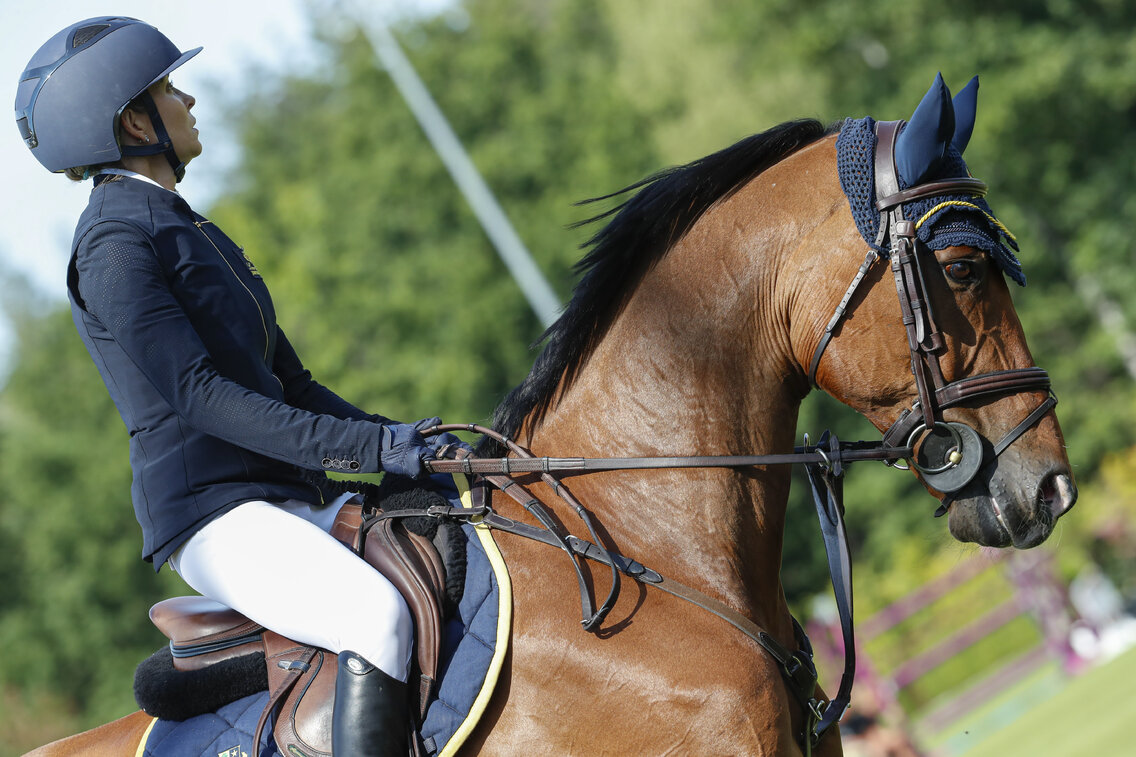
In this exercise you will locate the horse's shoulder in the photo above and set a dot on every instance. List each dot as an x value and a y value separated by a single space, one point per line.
121 737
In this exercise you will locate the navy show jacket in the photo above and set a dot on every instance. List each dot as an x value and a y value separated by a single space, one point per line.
219 408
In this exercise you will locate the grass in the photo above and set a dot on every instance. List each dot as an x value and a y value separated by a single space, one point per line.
1047 715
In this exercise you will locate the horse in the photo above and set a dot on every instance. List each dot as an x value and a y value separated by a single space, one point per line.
703 316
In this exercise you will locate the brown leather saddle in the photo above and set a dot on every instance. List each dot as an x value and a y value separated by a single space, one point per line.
301 679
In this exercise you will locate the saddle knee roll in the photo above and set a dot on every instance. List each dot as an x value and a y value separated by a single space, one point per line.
411 563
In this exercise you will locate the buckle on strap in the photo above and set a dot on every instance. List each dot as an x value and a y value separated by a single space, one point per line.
796 668
802 674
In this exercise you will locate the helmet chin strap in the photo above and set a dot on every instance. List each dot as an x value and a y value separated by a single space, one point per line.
163 144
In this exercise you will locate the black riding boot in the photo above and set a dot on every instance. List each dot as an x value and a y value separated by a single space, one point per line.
371 713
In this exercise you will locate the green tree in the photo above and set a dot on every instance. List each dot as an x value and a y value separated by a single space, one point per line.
75 591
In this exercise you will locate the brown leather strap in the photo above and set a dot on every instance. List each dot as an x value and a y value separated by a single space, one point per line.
887 182
295 667
838 315
1011 436
996 382
796 667
495 468
968 185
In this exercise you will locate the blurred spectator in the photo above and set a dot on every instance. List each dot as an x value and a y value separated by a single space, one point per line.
864 735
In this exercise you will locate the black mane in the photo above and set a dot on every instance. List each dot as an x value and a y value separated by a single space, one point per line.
643 229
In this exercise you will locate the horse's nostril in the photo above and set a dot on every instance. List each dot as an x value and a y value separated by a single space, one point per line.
1057 493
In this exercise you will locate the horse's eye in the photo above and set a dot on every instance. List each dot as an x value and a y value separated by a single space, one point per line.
961 271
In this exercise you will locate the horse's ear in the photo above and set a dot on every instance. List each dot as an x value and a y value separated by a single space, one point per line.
920 148
966 105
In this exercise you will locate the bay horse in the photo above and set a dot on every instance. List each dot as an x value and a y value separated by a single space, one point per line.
704 313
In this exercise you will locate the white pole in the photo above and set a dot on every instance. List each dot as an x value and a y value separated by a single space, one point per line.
516 257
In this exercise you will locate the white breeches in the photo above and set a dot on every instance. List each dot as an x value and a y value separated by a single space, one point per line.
279 566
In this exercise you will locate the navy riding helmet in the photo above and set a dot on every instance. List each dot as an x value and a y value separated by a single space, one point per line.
78 83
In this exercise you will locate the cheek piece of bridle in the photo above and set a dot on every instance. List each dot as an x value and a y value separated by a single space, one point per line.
947 454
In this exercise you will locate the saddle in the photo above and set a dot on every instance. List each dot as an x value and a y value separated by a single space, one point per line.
301 679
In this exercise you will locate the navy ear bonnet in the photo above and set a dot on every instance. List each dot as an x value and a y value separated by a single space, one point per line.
929 148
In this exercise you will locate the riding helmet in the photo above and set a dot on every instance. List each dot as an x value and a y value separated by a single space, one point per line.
77 84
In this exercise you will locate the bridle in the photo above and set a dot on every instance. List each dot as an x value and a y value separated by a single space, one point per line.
948 454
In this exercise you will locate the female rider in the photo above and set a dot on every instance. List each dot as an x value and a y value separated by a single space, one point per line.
229 434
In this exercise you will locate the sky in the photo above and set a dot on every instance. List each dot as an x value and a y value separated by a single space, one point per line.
38 209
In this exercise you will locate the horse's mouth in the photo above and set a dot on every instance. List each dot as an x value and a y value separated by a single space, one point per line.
993 519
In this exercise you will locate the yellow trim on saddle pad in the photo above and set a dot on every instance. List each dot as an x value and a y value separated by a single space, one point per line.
141 751
504 624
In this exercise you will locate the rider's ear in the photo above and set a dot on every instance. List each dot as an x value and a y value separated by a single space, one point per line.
134 123
920 148
966 105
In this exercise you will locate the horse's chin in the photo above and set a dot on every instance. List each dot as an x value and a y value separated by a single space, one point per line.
997 515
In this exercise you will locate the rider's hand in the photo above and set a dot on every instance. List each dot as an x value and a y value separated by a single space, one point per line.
403 450
426 423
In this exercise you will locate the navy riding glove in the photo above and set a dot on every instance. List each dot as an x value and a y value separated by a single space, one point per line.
403 450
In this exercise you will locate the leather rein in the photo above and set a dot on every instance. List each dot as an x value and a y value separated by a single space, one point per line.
948 455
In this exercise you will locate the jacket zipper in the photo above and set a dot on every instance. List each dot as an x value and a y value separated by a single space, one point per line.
263 323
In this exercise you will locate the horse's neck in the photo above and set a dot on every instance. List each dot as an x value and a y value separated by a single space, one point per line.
692 367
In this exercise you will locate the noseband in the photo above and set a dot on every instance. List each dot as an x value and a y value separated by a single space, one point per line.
949 454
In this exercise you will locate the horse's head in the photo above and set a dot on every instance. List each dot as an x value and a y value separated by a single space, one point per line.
943 367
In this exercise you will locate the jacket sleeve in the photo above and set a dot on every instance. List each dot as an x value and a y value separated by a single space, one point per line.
122 284
302 391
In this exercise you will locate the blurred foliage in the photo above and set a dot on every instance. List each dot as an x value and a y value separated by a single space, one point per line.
391 293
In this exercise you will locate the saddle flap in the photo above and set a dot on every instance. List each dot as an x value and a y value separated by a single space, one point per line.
411 563
301 682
